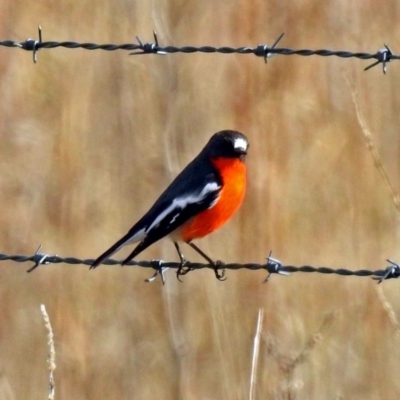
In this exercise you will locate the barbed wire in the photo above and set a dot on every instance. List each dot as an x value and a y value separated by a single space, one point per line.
272 266
382 56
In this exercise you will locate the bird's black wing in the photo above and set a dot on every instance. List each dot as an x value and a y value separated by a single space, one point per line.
171 214
194 190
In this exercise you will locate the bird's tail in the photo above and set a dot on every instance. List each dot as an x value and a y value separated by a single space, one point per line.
137 250
113 249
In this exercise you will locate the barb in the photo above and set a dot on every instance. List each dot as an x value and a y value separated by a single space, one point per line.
392 271
39 259
275 267
272 266
29 44
148 48
263 50
159 270
382 56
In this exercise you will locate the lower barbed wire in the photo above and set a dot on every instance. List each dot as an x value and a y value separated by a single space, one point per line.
272 266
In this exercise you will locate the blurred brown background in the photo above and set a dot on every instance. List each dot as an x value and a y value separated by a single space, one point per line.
89 139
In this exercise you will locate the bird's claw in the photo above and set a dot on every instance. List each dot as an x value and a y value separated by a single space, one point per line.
220 275
183 269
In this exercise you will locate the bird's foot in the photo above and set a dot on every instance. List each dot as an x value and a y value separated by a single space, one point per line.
219 270
183 269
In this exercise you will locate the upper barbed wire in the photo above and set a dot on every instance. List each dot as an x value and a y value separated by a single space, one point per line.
382 56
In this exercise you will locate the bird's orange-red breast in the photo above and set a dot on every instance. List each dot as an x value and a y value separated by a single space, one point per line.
200 200
233 176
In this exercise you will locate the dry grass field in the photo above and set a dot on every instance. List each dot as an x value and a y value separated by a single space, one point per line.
89 139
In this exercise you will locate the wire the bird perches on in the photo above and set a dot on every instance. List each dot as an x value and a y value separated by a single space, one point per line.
272 266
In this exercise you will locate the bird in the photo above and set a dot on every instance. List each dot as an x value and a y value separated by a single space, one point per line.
201 199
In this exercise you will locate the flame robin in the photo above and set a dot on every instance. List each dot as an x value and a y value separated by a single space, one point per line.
201 199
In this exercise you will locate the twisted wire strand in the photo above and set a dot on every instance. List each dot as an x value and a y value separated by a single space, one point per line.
152 48
271 266
383 55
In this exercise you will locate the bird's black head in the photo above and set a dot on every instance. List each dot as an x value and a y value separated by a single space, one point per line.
227 143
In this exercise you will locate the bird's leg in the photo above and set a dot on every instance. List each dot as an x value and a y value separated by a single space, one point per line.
216 264
182 270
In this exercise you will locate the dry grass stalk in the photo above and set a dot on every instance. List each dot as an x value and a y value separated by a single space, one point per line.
288 363
52 353
256 350
373 149
388 309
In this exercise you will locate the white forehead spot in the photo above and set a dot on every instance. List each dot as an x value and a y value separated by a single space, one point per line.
240 143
